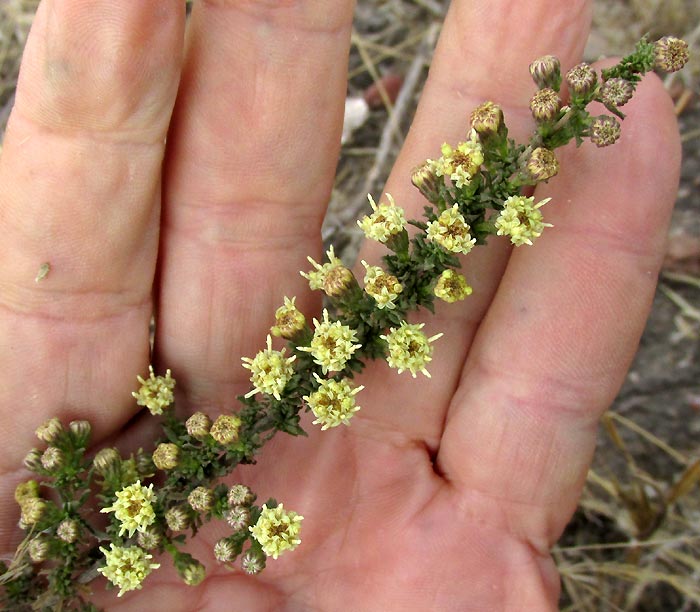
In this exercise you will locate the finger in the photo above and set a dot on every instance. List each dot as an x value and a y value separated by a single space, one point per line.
564 325
472 63
80 175
250 167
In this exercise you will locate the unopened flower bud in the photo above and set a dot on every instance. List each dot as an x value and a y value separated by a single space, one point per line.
32 460
177 518
253 561
26 490
49 431
224 551
289 320
198 425
201 499
542 164
149 539
486 118
193 573
616 92
581 79
337 281
605 131
106 460
240 495
545 105
52 459
670 54
546 72
81 432
68 530
166 455
426 181
225 428
38 549
33 509
238 518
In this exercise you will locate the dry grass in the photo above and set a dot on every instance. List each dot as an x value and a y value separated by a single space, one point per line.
634 543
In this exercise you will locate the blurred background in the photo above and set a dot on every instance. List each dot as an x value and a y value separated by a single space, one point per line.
634 543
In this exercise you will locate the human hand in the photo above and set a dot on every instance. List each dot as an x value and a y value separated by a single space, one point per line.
444 493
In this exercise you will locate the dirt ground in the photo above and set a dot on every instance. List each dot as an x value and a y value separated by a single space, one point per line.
634 544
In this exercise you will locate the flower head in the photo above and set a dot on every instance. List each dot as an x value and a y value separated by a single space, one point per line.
201 499
289 320
333 403
545 105
521 219
462 163
198 425
486 118
133 508
277 530
616 92
386 221
670 53
49 430
332 277
271 371
427 181
126 567
451 231
156 392
332 344
452 287
383 287
166 455
225 428
605 131
581 79
546 72
543 164
409 348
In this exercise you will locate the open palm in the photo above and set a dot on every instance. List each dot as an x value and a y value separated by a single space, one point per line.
444 494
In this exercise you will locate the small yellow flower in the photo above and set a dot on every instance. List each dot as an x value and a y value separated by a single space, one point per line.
452 287
451 231
133 508
383 287
521 219
277 530
126 567
289 320
271 371
462 163
332 344
333 403
386 221
409 348
332 277
156 392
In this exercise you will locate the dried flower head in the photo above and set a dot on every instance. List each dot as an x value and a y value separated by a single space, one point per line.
333 403
332 345
521 219
225 429
156 392
166 455
177 518
383 287
616 92
240 495
271 371
198 425
253 561
451 231
289 320
670 54
277 530
462 163
545 105
409 348
126 567
133 508
332 277
546 72
543 164
201 499
605 131
486 118
581 79
452 287
386 221
49 431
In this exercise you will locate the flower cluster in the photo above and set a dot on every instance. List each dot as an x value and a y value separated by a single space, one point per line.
409 348
271 371
383 287
386 221
460 164
332 345
521 219
451 231
133 508
156 392
333 403
277 530
126 567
